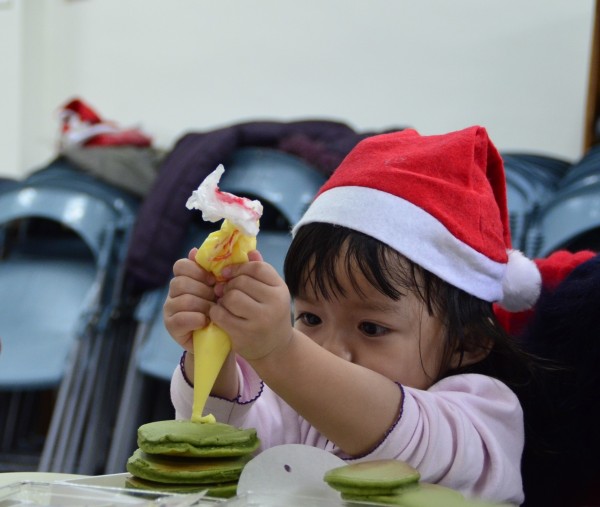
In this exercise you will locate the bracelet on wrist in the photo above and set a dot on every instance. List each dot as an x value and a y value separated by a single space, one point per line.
182 368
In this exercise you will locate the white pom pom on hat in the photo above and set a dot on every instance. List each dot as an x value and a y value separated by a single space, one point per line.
438 200
521 282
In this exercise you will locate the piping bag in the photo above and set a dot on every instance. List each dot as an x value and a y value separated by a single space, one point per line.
229 245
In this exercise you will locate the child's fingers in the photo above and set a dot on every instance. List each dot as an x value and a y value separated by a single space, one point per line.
192 254
186 303
259 270
249 298
187 267
255 327
182 285
243 303
251 287
239 319
255 255
182 325
183 314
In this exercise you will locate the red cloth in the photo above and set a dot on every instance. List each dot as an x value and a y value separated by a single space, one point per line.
81 125
122 138
554 269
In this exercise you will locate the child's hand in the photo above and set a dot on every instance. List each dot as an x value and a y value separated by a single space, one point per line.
253 307
191 294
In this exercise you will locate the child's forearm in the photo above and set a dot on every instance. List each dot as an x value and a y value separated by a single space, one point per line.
226 385
352 406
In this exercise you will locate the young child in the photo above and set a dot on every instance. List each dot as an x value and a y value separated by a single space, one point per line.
394 351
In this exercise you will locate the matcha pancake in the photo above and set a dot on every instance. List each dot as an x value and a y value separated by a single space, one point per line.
420 495
379 477
176 470
353 492
223 490
194 439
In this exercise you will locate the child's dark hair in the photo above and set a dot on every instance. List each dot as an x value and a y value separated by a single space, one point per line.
470 322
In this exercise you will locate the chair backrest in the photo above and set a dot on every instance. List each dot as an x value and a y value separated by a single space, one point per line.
7 183
521 206
587 168
283 181
80 212
534 185
569 215
64 175
543 170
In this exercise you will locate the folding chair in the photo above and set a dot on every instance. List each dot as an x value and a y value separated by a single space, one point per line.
48 300
67 288
570 220
521 206
285 185
531 180
79 435
7 183
587 169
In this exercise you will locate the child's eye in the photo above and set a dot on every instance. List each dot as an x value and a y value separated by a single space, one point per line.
308 319
371 329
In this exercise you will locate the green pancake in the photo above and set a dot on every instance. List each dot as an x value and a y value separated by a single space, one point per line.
363 491
194 439
379 477
176 470
421 495
223 490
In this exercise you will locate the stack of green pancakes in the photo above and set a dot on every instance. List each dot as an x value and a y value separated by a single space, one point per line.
391 482
185 457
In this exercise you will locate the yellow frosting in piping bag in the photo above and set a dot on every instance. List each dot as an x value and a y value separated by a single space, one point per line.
228 245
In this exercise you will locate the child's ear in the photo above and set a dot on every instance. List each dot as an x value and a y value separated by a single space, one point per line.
468 357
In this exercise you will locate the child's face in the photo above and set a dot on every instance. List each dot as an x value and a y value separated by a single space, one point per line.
398 339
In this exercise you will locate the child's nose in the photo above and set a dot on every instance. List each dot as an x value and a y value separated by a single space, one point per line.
336 343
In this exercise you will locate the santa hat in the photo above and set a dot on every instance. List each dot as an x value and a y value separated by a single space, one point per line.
81 125
438 200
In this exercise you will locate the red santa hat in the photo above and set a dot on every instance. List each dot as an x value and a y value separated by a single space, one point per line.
81 125
438 200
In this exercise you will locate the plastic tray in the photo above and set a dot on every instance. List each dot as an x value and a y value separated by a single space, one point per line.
66 494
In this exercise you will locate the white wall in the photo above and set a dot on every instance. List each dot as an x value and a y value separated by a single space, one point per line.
10 93
519 68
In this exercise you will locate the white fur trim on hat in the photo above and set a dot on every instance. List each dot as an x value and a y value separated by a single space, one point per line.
521 284
411 231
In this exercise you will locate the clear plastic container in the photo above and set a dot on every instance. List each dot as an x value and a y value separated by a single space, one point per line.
66 494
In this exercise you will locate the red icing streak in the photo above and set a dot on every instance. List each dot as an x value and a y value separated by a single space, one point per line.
225 248
227 198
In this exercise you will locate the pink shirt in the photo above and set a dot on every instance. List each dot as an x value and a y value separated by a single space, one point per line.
465 432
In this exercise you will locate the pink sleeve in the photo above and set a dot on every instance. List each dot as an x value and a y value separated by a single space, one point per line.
465 432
